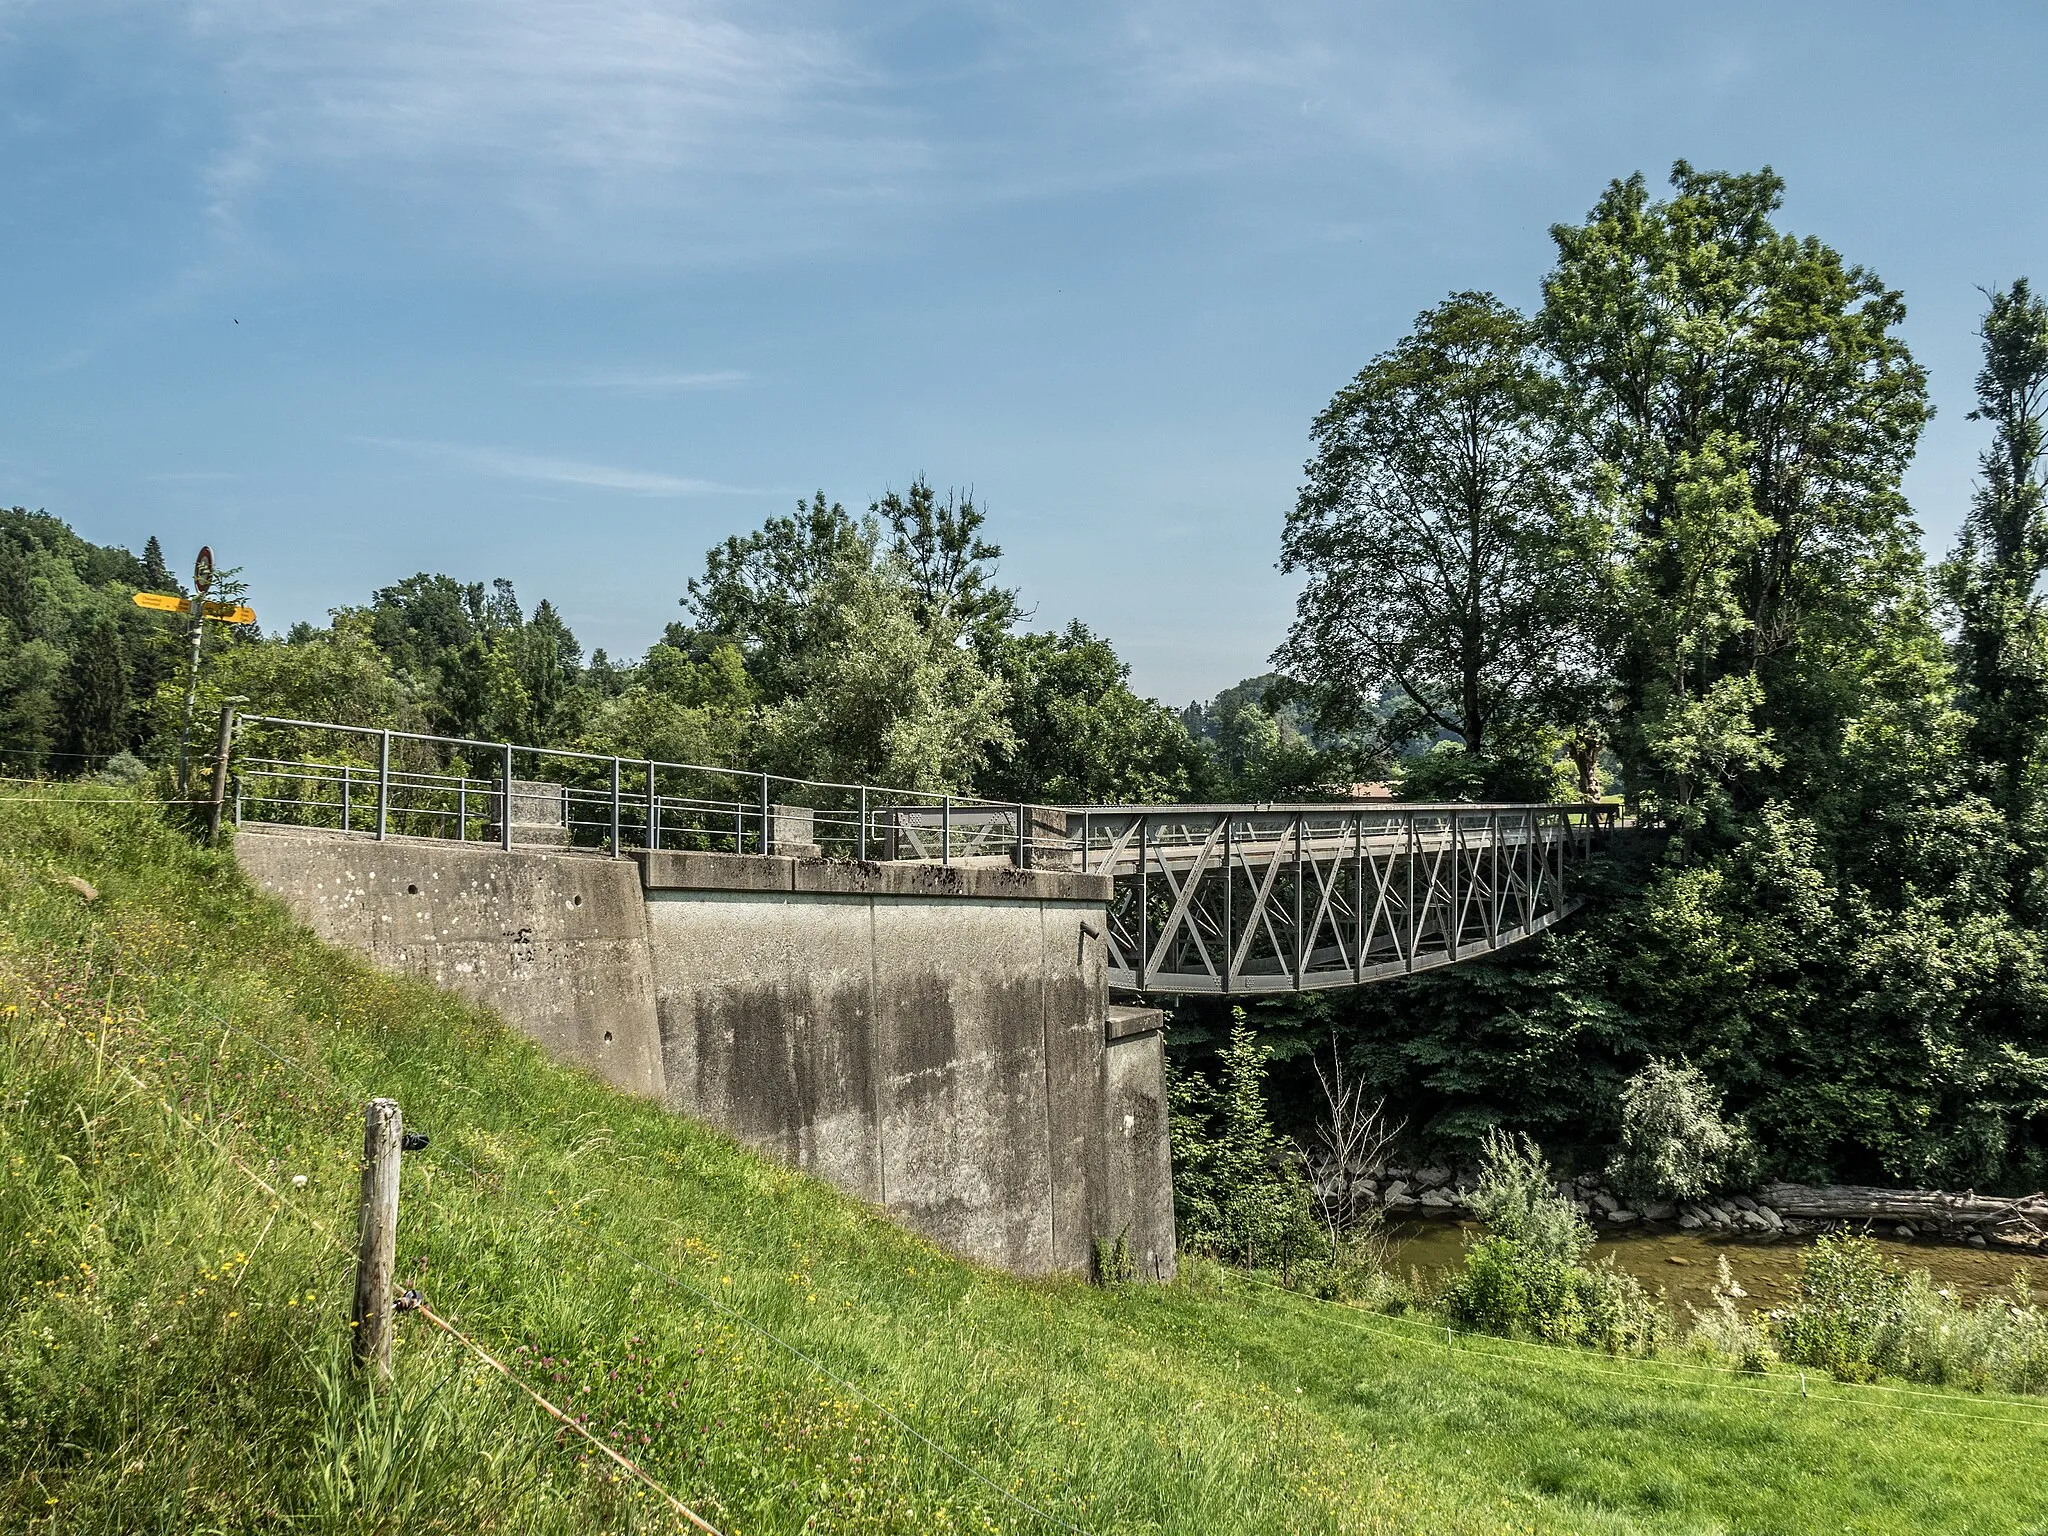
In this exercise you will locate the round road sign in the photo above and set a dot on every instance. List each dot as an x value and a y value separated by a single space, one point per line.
202 571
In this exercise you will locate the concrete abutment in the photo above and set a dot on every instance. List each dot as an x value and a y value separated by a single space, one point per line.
935 1039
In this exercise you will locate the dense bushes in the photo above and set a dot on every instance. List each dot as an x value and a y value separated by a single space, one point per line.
1861 1317
1238 1188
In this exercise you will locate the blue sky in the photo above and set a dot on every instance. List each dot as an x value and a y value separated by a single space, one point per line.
567 291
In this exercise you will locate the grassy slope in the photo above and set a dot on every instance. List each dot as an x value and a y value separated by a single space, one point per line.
169 1346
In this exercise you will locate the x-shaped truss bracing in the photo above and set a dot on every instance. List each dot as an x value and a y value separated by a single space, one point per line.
1234 899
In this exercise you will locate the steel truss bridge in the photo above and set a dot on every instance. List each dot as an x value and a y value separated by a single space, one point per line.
1223 899
1296 898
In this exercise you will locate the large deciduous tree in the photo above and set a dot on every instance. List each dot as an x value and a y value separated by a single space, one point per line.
757 589
1752 411
950 566
1444 551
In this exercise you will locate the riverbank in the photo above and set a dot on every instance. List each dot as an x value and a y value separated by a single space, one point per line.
1776 1210
1683 1265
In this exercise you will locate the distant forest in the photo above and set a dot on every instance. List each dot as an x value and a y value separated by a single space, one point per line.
878 648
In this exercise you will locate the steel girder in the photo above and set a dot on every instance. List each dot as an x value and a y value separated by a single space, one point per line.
1246 899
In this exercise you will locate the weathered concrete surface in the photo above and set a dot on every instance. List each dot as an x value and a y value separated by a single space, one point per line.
1139 1171
556 942
935 1039
942 1055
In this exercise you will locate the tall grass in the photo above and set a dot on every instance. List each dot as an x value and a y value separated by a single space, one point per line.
172 1337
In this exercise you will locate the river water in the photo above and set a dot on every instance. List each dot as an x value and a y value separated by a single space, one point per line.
1682 1263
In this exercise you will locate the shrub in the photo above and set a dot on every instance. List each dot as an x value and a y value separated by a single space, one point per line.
1675 1145
1517 1199
1849 1297
1725 1331
1238 1191
1527 1275
1859 1316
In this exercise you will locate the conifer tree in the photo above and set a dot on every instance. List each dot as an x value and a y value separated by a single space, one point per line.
156 575
94 697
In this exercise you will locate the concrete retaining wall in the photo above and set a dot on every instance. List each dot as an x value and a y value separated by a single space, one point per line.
555 942
935 1039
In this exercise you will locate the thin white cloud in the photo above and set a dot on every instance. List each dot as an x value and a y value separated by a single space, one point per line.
680 131
576 118
514 465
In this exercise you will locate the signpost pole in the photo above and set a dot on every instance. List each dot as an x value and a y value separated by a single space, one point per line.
202 580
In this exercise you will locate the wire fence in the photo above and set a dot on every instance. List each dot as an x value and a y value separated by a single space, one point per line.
308 1074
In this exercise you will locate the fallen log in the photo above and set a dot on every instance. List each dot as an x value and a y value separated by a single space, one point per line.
1934 1209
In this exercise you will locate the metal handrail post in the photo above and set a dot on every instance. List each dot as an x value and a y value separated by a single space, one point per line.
1300 938
462 808
1457 925
505 803
347 810
945 829
1023 847
1358 896
383 781
654 812
1087 827
1229 905
862 853
616 849
1414 919
1493 903
767 837
1144 909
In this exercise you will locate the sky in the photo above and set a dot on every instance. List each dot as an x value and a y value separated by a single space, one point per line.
568 290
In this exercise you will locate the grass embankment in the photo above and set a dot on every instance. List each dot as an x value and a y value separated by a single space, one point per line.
172 1342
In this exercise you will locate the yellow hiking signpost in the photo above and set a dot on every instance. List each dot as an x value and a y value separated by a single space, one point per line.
223 613
201 610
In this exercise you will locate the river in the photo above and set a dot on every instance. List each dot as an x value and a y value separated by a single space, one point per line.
1682 1263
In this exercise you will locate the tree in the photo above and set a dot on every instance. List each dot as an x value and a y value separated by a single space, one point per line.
1993 581
550 665
1444 551
1750 412
1080 736
757 589
950 565
424 621
1675 1145
156 575
676 710
94 695
874 696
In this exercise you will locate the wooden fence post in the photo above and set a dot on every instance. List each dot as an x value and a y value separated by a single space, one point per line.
377 1235
221 752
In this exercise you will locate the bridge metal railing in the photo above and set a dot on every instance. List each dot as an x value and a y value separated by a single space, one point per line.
1205 898
390 783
